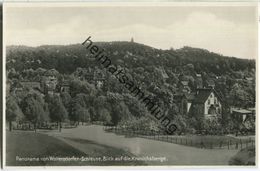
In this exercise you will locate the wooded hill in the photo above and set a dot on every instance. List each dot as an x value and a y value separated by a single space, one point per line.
159 72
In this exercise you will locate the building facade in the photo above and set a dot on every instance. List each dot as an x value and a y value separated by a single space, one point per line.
204 103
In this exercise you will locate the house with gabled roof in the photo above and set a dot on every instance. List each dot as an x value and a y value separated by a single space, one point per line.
207 104
204 103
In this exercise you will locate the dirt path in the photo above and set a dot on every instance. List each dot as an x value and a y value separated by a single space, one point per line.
175 154
95 150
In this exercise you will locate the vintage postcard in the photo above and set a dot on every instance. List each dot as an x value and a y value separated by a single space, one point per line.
130 84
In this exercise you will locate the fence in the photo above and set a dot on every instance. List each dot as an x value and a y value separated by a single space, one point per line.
27 126
209 142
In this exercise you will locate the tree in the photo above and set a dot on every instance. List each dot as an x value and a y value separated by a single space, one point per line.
192 123
239 96
74 114
144 123
100 104
84 115
33 109
92 113
81 100
66 99
105 116
118 109
12 111
77 86
136 108
180 122
58 112
120 112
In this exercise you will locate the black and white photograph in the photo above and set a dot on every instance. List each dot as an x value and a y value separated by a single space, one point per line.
130 84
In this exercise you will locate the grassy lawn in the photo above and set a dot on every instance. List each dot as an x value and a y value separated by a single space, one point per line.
175 154
244 157
97 150
36 145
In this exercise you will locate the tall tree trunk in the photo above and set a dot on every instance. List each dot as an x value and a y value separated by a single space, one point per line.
35 126
10 125
59 126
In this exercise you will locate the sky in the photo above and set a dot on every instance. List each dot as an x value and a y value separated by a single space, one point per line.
227 30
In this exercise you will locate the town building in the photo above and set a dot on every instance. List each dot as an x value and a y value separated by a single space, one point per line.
242 115
184 87
207 103
64 86
50 81
183 101
198 81
31 84
204 103
92 76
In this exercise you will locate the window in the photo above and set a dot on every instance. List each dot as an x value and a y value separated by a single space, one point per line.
208 101
212 110
216 101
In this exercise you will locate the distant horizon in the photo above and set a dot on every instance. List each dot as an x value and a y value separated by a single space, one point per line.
228 30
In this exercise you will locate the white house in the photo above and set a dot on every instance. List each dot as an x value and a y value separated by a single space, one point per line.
206 103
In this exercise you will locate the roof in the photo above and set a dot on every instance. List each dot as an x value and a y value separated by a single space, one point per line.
242 111
190 96
249 78
51 72
164 74
251 108
203 94
185 83
210 82
29 82
198 75
65 83
178 97
40 69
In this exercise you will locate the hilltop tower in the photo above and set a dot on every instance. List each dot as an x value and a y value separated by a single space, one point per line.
132 39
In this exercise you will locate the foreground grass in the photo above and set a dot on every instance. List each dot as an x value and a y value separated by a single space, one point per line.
174 154
244 157
36 145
